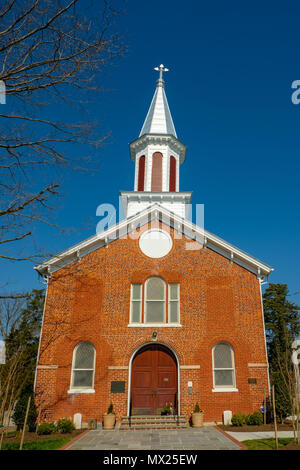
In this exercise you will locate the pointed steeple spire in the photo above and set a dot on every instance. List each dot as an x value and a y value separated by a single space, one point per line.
159 119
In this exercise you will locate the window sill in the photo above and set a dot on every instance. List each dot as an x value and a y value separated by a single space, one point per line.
81 390
154 325
225 389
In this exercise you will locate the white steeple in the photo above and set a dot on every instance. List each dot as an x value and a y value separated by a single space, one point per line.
159 119
157 154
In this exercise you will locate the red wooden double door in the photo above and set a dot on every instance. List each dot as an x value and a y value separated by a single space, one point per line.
154 380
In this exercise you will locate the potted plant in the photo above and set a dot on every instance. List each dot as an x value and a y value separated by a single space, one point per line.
109 418
197 417
167 410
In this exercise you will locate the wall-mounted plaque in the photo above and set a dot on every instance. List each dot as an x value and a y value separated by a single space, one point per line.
117 387
252 381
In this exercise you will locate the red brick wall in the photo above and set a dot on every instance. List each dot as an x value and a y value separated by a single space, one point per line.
90 300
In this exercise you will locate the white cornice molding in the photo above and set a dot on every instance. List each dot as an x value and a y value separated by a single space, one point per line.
155 212
157 139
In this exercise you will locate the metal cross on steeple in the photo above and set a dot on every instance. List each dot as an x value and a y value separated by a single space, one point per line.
161 69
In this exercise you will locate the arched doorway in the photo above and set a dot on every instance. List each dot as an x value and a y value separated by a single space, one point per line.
154 380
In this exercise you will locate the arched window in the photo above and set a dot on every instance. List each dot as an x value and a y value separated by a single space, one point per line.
156 181
155 300
83 366
141 176
172 185
223 366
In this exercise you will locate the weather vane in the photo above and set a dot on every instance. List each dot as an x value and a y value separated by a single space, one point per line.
161 69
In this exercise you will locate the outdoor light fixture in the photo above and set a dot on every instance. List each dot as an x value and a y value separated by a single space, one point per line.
154 335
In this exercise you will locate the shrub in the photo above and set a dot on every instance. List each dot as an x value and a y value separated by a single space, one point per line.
20 411
65 425
197 409
46 428
110 409
238 419
254 419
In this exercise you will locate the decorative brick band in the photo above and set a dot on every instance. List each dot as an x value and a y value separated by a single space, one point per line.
253 364
118 367
47 367
190 367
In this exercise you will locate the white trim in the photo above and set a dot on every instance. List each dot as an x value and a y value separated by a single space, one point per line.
40 339
164 300
222 388
263 319
130 368
140 300
81 390
233 389
174 300
126 226
72 388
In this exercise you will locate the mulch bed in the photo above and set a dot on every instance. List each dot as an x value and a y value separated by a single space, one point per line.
262 427
32 436
291 446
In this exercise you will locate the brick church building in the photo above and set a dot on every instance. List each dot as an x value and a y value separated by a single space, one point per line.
154 309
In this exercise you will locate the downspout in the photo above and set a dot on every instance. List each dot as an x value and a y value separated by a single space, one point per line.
38 354
260 280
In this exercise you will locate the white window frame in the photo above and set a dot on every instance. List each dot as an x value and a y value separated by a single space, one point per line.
136 300
224 388
158 300
88 389
174 300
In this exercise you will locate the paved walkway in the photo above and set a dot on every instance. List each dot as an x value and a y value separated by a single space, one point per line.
206 438
245 436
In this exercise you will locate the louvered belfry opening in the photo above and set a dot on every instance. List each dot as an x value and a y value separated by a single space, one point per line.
156 181
141 177
172 185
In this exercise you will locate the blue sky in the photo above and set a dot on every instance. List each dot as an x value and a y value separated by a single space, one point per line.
229 90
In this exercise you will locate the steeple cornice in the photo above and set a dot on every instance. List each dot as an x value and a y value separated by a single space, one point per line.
157 139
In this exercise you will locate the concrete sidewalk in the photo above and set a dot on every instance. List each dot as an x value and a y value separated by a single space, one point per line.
245 436
206 438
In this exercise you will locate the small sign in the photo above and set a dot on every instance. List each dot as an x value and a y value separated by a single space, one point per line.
166 379
262 409
117 387
190 384
252 381
190 391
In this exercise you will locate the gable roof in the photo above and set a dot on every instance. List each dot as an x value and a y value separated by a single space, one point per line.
159 213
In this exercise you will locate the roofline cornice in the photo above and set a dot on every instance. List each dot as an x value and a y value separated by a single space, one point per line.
155 212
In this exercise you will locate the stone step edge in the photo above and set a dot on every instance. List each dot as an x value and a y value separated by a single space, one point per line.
148 417
126 428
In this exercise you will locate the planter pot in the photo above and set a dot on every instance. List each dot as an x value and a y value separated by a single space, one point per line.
197 420
109 421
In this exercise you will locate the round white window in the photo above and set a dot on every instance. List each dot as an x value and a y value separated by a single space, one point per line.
155 243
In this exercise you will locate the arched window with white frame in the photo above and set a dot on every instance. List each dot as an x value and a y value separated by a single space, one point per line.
83 366
155 300
223 366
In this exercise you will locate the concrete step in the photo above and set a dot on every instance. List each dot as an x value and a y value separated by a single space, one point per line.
153 422
142 427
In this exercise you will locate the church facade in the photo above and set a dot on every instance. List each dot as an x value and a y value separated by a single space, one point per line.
154 309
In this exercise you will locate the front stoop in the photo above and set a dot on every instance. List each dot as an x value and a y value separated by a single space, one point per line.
153 422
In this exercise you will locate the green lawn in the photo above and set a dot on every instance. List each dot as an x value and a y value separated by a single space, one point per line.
266 444
51 444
